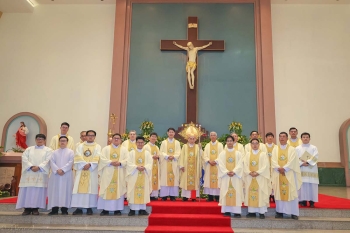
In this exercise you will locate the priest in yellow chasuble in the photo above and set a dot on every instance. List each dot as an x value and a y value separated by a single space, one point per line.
55 144
138 176
170 151
294 141
257 181
85 190
236 145
112 179
286 178
210 155
230 174
270 146
190 164
130 144
152 148
254 135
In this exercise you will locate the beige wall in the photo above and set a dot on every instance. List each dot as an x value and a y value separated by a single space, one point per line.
312 71
56 62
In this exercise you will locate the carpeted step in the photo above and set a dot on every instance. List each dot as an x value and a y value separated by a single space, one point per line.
188 220
187 229
186 208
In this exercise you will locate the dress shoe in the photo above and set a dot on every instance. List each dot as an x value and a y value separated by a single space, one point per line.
131 213
117 212
295 217
172 198
184 199
210 198
193 200
78 212
143 212
251 215
104 212
153 198
303 203
227 214
278 215
35 211
312 204
54 211
164 198
217 198
89 211
27 211
262 216
237 216
64 210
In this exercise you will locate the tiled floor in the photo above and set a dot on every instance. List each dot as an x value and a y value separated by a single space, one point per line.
343 192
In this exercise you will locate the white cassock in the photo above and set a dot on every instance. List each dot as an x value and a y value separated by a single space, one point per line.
33 185
112 179
248 148
60 187
85 190
54 144
258 188
309 174
129 145
294 142
154 150
286 187
139 183
211 153
169 171
231 188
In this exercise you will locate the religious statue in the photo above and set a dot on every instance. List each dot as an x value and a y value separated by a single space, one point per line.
191 63
21 136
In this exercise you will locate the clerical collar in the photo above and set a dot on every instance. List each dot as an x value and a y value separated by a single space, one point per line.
152 144
190 145
170 139
234 144
255 151
230 150
213 143
139 150
114 146
306 145
269 145
89 143
39 147
293 140
283 146
132 141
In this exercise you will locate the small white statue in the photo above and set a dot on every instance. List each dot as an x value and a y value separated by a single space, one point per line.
191 63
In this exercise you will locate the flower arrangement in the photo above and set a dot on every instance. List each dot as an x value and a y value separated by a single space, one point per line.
4 193
146 127
235 127
125 136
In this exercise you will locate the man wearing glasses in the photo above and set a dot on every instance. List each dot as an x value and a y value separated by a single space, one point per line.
85 188
35 175
138 175
111 171
82 138
54 144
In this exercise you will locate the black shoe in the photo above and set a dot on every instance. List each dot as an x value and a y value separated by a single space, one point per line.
193 200
153 198
27 211
278 215
54 211
227 214
117 212
303 203
35 211
210 198
295 217
312 204
78 212
237 216
217 198
64 210
131 213
104 213
172 198
164 198
143 212
251 215
184 199
89 211
262 216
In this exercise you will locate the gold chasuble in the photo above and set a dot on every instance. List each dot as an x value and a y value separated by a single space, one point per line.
131 146
155 168
298 142
253 191
139 193
84 182
213 169
189 160
112 189
211 153
230 165
170 172
283 181
269 151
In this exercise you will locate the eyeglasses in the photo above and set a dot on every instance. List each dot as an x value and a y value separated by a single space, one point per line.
90 135
140 142
39 139
116 138
255 143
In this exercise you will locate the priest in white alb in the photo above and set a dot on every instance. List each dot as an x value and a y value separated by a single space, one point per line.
54 144
286 178
85 190
254 135
153 149
270 146
138 177
294 141
113 160
61 179
231 185
257 181
308 157
130 144
210 155
170 151
34 178
190 164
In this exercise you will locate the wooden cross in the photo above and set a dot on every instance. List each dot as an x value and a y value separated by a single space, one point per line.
192 36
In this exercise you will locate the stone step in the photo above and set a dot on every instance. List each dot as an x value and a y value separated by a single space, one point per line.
322 223
68 228
304 212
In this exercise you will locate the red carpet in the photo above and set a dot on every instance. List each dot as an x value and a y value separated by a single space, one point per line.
187 217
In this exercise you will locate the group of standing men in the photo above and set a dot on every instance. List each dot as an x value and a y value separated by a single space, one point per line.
234 174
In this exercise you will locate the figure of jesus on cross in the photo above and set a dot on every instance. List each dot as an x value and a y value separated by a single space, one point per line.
191 63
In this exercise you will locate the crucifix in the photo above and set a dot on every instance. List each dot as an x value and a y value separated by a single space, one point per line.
192 62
